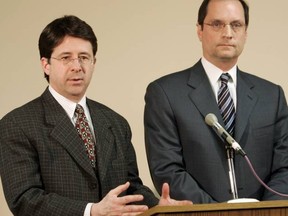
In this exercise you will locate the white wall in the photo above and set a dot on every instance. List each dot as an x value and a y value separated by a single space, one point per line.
139 41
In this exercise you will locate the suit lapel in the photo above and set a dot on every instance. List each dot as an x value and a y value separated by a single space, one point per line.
64 132
246 100
104 137
203 97
201 93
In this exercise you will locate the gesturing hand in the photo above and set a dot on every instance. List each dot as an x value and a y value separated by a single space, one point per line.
166 199
111 204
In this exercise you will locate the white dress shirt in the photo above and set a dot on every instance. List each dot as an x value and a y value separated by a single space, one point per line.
214 74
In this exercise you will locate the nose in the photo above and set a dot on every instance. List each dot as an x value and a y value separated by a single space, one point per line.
75 60
228 31
75 64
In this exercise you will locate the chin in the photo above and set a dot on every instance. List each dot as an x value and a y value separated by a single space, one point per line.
228 56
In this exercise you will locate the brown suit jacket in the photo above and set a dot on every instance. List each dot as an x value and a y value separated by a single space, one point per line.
44 167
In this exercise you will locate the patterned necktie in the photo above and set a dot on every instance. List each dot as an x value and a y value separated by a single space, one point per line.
226 105
85 134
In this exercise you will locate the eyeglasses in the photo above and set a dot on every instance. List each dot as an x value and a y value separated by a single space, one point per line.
83 60
219 26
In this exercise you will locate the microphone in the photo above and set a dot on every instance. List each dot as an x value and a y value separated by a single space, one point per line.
212 121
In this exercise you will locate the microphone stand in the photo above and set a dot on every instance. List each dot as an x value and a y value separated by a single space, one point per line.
230 158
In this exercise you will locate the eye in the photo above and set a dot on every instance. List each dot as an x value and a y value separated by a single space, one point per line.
84 58
65 57
217 24
236 25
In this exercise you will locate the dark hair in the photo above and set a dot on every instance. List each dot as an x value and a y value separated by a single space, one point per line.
54 33
202 13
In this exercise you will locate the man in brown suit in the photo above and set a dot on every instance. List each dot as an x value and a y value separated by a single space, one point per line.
44 165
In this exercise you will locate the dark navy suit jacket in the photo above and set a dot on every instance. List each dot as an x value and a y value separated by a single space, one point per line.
185 152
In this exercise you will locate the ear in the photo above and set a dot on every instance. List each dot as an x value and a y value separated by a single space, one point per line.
199 31
45 65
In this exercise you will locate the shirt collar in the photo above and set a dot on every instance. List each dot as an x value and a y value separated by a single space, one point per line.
68 105
214 72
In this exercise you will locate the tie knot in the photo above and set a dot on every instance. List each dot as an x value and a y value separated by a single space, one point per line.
225 77
79 109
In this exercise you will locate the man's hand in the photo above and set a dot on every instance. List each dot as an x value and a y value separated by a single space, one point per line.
166 199
111 204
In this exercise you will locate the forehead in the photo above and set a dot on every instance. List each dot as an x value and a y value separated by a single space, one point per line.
225 10
73 45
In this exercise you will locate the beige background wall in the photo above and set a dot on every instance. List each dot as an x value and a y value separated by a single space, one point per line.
139 41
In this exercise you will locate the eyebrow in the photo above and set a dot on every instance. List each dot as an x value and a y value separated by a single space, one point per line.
219 20
70 53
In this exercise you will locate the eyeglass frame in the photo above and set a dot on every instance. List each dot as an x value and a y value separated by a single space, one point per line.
67 60
219 25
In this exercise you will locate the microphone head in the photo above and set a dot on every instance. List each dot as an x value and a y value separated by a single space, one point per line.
211 119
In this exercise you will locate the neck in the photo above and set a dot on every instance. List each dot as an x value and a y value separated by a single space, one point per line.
223 64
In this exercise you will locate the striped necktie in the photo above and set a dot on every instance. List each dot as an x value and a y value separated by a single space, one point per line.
85 134
226 105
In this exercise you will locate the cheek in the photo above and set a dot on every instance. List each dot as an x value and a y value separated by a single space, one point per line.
209 38
207 42
242 42
53 79
57 76
89 72
243 38
89 78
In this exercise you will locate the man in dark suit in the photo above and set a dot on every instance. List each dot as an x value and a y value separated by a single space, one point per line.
184 151
50 168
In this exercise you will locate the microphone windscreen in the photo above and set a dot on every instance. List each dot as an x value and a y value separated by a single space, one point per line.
211 119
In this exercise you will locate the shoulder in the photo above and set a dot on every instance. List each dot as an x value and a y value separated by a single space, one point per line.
27 110
169 83
257 82
180 77
262 88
